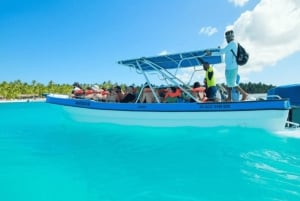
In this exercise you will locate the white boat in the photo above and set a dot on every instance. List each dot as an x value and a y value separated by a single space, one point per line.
267 114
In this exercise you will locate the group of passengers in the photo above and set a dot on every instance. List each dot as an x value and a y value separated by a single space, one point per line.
170 94
174 94
149 94
114 94
93 92
207 92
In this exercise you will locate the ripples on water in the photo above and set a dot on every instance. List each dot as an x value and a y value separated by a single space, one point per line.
46 156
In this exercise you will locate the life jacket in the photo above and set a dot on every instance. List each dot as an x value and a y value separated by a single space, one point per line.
77 91
172 94
89 91
210 82
104 93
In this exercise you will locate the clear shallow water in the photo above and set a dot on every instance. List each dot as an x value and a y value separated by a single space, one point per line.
45 156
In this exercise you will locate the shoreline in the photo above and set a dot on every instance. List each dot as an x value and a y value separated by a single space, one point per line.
24 100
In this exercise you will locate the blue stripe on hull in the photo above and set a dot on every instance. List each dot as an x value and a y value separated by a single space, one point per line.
174 107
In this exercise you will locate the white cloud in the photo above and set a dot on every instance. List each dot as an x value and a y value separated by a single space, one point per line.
208 30
270 32
238 2
164 52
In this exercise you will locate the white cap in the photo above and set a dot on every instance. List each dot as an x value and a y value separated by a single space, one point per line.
95 87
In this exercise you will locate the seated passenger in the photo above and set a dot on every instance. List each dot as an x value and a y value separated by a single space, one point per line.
94 93
161 92
111 96
104 94
147 96
172 95
129 95
115 94
77 90
198 92
119 93
90 92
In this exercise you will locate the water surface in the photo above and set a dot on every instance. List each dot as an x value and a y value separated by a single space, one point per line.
46 156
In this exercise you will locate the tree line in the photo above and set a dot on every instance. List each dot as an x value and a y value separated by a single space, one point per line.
18 89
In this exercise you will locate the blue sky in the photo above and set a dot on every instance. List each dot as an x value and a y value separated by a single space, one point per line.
76 40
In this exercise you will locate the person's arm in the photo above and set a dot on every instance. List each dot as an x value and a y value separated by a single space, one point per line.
230 46
225 49
166 95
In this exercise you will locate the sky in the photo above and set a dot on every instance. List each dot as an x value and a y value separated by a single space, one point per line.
64 41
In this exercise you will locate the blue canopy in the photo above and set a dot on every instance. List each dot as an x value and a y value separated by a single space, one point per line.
173 61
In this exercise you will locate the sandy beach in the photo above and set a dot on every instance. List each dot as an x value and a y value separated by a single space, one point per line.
23 100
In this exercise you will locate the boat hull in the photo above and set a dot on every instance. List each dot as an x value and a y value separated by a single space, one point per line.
267 114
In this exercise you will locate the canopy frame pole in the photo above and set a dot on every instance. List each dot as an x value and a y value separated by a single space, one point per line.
149 83
171 78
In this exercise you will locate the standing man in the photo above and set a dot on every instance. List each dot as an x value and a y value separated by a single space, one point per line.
211 88
231 67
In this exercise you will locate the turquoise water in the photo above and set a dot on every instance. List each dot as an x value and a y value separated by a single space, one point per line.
45 156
